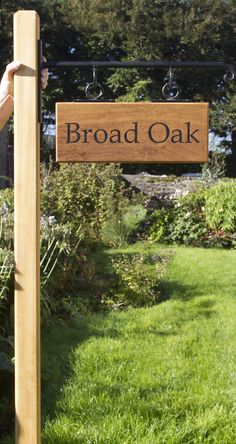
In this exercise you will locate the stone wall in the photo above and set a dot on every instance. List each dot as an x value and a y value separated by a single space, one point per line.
159 188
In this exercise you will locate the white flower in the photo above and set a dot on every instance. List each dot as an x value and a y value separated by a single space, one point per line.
43 220
52 220
4 209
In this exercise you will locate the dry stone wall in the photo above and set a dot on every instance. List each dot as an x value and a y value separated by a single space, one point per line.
162 188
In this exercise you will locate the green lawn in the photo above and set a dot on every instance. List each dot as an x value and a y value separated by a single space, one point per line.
165 374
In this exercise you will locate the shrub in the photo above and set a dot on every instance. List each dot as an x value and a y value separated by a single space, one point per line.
188 225
80 204
6 342
220 206
215 168
206 217
6 219
117 231
6 273
158 223
6 263
134 283
85 195
59 254
58 248
133 217
182 223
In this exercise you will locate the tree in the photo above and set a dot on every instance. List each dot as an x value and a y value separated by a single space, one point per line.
170 30
135 29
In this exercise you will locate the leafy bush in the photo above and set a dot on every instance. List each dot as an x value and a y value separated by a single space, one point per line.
6 273
206 217
58 248
58 257
88 196
158 223
6 287
133 217
80 204
6 262
188 224
117 231
215 168
113 281
182 223
220 206
134 284
6 219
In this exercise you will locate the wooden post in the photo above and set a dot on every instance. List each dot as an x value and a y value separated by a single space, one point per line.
27 226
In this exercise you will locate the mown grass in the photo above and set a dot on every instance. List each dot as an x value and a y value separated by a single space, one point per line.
165 374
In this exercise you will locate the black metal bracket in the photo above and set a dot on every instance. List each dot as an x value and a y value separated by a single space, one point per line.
228 68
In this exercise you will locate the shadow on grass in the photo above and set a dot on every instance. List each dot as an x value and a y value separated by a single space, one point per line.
205 308
58 342
171 289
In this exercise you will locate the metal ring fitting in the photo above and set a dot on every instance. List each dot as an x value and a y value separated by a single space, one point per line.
93 86
229 76
170 90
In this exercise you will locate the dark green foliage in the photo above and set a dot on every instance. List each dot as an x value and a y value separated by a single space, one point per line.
215 168
118 231
6 371
206 217
135 283
181 223
188 224
152 29
85 196
144 29
112 280
77 203
158 222
220 207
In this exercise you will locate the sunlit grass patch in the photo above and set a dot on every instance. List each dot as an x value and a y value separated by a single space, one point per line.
164 374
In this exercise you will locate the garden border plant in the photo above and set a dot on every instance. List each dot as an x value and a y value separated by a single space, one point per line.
206 217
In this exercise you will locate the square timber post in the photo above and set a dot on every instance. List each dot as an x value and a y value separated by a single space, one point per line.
27 229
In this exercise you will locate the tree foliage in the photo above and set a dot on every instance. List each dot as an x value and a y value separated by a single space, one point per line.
135 29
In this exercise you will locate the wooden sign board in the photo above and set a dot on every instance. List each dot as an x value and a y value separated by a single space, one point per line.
132 132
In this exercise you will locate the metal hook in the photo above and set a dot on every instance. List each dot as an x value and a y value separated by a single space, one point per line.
93 86
170 90
95 81
229 75
170 74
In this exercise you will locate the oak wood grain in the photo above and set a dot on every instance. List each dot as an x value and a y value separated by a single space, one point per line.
27 221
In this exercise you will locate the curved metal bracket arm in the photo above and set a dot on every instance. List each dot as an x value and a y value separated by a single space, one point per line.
228 68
